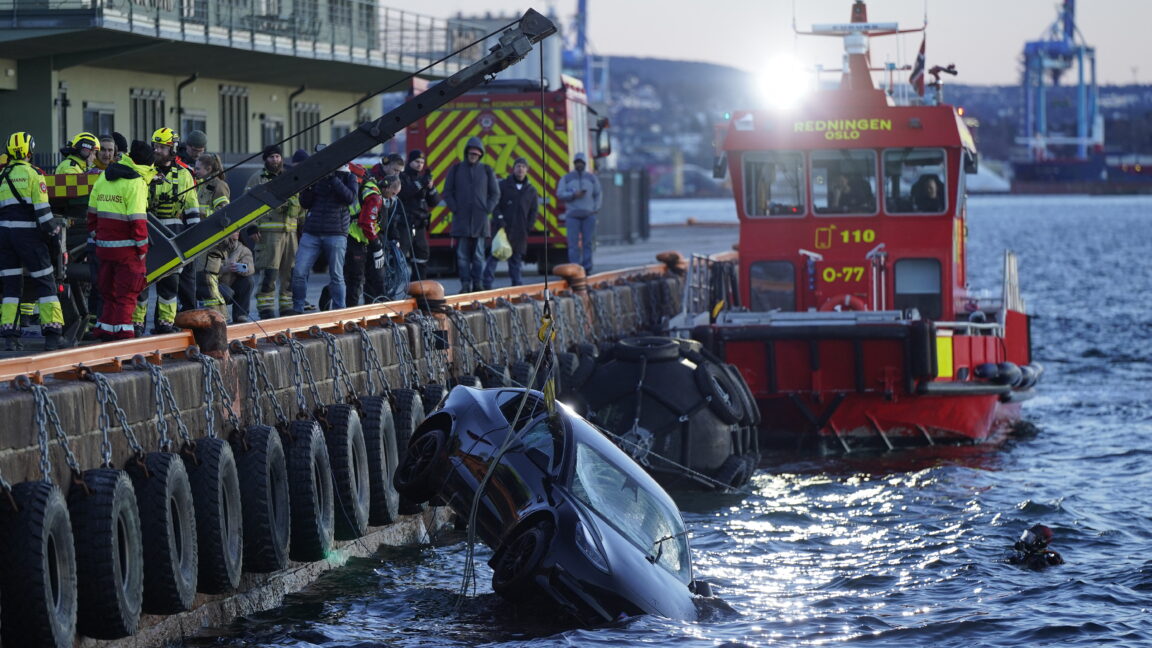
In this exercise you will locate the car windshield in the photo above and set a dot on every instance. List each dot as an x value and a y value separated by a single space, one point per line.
623 503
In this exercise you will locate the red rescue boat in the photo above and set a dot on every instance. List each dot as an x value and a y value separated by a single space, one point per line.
852 321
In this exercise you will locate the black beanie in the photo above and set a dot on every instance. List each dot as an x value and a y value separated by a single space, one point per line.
120 141
299 156
272 149
415 154
141 153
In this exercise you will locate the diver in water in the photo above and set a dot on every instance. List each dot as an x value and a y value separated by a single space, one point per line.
1032 551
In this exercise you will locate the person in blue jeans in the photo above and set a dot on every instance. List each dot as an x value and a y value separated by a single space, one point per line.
580 191
325 232
471 192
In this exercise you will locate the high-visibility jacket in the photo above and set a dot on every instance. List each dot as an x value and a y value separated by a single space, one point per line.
286 217
118 211
172 196
72 164
23 197
212 195
366 209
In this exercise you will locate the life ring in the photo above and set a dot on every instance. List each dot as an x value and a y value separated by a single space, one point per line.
843 302
349 458
168 528
309 492
110 557
380 441
408 414
264 497
219 520
39 574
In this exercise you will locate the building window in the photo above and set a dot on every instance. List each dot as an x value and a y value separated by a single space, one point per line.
918 286
193 121
340 12
772 286
147 111
233 119
271 132
340 130
306 121
99 118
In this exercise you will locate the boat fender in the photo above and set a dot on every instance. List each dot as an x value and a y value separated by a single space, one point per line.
1028 377
734 472
1010 374
168 528
380 440
987 371
263 498
922 349
216 495
110 560
349 459
843 302
309 491
652 349
722 396
39 574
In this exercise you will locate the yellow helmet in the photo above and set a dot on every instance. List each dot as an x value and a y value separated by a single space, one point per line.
165 137
85 141
20 145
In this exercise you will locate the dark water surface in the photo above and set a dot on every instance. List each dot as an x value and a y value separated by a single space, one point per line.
896 550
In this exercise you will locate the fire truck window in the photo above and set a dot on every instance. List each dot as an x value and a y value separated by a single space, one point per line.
773 183
773 286
914 179
918 286
844 181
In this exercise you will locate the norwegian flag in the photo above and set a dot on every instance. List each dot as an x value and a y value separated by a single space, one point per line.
917 78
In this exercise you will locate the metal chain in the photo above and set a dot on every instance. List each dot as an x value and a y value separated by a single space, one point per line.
519 335
106 397
563 327
256 359
257 406
655 294
538 312
336 362
585 323
216 384
372 359
429 360
46 415
302 371
165 399
437 356
404 352
637 310
606 330
207 388
498 352
464 341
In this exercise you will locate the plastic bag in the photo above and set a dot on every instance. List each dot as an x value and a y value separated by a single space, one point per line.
397 274
501 247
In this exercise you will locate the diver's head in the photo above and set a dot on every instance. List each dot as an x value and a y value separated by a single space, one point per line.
1036 538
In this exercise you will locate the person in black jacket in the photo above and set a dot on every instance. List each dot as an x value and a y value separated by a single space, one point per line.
1032 551
471 192
325 232
418 195
515 214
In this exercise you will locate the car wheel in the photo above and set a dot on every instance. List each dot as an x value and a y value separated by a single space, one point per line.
422 470
515 568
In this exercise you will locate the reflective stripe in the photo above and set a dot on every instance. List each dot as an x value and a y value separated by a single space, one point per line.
121 217
43 272
120 244
50 300
171 221
11 300
12 272
114 328
19 224
8 202
45 218
192 221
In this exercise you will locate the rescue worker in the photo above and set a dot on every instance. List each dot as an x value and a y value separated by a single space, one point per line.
192 147
418 193
81 157
581 191
515 214
118 223
471 192
365 256
212 193
26 224
276 250
105 155
235 278
172 200
1032 551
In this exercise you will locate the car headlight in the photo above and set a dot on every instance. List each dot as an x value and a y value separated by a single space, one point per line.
588 546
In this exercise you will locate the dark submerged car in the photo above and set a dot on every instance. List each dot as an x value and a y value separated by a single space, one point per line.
565 511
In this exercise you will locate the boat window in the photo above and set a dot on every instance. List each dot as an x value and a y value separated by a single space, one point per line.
914 180
918 286
844 181
773 285
624 504
773 183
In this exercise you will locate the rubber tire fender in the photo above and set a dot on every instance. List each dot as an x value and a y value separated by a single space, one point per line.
468 380
110 558
380 441
751 416
264 499
349 458
168 528
723 398
219 516
521 373
735 471
651 348
408 413
309 492
423 468
38 579
432 395
514 568
567 365
494 375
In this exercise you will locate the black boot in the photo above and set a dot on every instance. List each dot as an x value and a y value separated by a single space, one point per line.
52 340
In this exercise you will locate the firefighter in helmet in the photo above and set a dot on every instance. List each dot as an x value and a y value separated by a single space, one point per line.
80 158
276 251
26 225
172 200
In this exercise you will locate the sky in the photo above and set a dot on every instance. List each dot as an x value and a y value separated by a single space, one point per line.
984 38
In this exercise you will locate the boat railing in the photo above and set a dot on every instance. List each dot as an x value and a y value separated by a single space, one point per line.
811 318
973 328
